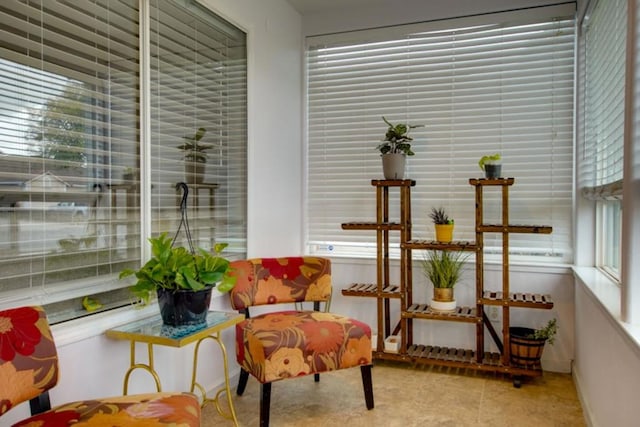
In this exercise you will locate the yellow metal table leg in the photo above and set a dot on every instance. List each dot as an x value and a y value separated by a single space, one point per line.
226 389
145 367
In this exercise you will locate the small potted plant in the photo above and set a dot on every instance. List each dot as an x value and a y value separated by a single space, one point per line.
443 225
491 165
183 280
443 269
527 344
394 148
195 156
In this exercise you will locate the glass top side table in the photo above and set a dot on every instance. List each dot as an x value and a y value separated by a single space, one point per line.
151 330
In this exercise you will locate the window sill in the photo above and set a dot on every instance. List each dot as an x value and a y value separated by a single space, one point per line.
73 331
607 295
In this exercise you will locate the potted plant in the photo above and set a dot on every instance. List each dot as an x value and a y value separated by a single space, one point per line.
491 165
394 149
443 269
195 156
443 225
183 280
526 344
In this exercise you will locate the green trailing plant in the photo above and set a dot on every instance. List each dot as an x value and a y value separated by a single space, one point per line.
195 150
443 268
396 139
548 332
489 159
440 216
177 268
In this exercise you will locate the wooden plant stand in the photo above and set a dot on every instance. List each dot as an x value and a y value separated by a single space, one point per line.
384 290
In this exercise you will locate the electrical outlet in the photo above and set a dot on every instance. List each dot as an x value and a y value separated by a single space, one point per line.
494 314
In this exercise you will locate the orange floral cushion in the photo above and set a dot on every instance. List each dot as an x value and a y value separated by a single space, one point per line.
288 344
154 409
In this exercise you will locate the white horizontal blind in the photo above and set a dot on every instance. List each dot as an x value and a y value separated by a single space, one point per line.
198 80
602 110
68 128
499 86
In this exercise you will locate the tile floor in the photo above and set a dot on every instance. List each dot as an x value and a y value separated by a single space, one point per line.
408 396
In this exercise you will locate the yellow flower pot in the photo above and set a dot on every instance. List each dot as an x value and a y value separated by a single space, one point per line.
444 232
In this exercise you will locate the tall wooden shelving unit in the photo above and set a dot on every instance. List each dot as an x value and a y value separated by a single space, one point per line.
384 290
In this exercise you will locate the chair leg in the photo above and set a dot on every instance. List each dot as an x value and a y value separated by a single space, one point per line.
265 402
242 382
367 384
316 377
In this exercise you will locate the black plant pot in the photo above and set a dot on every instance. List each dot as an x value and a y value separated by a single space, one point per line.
184 307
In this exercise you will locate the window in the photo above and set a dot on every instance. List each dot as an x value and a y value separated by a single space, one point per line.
602 114
73 141
480 85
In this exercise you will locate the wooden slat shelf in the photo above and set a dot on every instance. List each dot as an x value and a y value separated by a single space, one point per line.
393 182
423 311
456 357
459 245
371 290
517 299
372 226
515 228
486 182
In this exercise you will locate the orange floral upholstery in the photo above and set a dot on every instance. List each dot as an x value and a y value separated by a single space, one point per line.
29 368
293 343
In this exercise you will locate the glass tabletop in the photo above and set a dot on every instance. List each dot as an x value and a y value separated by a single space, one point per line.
153 330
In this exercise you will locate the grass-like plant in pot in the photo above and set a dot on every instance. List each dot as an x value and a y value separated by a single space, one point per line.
394 148
443 224
443 269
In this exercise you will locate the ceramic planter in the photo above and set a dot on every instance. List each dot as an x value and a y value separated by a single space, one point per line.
184 307
393 165
444 232
493 170
443 300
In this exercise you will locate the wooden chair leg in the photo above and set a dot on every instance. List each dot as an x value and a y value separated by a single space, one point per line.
367 384
265 402
242 382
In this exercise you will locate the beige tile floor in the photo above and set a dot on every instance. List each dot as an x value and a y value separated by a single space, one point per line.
408 396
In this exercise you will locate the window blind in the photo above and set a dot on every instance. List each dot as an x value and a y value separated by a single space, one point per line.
602 109
500 84
68 126
70 141
198 76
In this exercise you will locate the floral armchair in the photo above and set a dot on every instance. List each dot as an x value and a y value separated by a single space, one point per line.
29 368
293 343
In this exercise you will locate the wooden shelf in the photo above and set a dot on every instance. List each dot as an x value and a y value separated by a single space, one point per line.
435 245
371 290
483 182
411 312
423 311
524 300
372 226
499 228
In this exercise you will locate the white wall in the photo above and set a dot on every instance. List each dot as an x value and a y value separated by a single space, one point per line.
405 11
607 365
